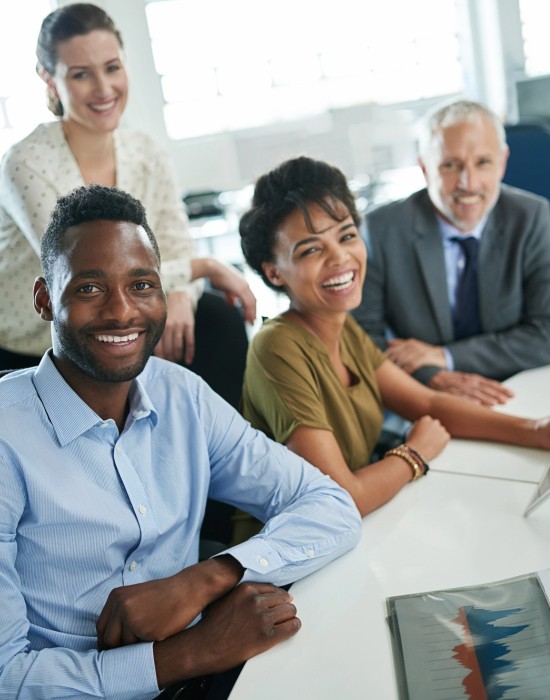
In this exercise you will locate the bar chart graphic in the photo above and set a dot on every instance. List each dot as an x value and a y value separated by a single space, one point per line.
487 642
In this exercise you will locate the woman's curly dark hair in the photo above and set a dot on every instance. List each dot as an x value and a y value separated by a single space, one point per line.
295 184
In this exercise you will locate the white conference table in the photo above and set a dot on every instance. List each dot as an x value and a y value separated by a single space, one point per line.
447 530
531 400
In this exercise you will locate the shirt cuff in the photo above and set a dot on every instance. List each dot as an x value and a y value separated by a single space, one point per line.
194 291
448 359
259 560
129 672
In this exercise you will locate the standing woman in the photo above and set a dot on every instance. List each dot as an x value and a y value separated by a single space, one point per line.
314 380
80 58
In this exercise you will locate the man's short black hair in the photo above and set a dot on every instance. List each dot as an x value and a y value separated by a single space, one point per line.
295 184
90 203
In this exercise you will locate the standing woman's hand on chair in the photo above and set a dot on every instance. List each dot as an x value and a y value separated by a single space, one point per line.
229 281
178 339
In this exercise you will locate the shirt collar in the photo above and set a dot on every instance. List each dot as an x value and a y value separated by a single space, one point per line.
69 415
141 405
448 231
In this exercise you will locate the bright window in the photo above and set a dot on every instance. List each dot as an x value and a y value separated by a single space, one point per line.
22 92
535 20
245 63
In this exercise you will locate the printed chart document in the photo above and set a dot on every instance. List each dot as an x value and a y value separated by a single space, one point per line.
487 642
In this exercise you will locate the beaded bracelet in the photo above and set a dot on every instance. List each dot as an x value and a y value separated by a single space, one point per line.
414 460
419 456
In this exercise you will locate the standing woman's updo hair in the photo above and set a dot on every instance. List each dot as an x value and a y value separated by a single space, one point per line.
63 24
295 184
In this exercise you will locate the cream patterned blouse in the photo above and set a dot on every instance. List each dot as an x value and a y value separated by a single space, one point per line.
33 174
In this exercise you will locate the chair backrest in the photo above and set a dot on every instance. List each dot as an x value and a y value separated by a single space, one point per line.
529 163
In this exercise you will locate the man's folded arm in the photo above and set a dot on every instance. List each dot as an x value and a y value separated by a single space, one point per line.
310 520
127 673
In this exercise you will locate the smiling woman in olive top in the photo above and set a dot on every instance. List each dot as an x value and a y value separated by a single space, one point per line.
314 380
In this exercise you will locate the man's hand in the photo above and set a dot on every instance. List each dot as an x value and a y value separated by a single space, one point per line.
250 619
155 610
228 280
480 390
411 354
178 339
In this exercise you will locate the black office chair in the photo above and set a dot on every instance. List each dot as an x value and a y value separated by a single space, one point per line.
220 359
529 162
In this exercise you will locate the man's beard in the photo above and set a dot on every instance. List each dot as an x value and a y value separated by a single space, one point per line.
75 346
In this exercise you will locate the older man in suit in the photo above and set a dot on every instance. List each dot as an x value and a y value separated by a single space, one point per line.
458 283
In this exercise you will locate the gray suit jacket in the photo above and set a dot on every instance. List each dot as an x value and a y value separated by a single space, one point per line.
406 287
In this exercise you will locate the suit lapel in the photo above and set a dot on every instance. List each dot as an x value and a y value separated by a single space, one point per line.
431 262
491 261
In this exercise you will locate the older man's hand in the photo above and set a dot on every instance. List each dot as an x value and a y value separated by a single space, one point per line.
410 354
480 390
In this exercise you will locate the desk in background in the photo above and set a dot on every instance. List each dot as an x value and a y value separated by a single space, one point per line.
531 400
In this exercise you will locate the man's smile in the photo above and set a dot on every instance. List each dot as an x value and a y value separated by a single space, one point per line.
117 338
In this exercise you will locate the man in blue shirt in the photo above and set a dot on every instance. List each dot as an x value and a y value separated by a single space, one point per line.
414 296
107 456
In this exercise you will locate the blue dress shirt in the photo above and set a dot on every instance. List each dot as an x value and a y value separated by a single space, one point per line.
85 509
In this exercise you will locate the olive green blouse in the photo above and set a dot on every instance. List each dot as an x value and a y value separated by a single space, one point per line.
290 381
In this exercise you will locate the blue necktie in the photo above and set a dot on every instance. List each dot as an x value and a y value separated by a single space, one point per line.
466 317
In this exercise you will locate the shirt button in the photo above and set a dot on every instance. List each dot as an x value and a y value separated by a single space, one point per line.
118 448
142 509
310 553
264 562
133 566
104 425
